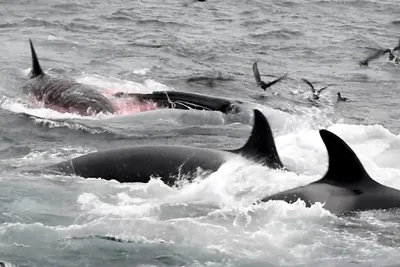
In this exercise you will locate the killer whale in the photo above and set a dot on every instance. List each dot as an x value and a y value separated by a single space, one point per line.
346 186
139 163
186 101
63 93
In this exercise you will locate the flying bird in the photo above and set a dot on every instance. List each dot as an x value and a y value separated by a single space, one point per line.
379 52
315 92
260 82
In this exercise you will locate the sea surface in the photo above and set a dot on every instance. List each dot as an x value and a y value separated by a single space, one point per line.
145 46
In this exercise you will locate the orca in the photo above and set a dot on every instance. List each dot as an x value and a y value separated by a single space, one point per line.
139 163
64 94
186 100
346 186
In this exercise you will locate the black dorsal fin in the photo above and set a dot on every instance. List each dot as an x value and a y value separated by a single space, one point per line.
344 166
261 144
36 69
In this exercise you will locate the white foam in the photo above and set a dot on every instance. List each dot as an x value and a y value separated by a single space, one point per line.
114 85
52 37
141 71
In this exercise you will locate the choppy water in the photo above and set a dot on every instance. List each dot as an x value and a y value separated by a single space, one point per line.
136 46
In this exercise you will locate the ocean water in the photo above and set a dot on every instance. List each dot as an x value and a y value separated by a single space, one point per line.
145 46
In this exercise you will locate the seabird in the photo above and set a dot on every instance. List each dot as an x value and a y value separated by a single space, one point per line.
340 98
315 92
260 82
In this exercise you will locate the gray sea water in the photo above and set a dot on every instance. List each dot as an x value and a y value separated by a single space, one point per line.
145 46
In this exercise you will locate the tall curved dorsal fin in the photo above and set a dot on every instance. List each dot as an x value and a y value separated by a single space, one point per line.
36 69
261 144
344 166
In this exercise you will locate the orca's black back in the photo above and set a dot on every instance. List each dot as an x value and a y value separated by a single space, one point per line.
138 164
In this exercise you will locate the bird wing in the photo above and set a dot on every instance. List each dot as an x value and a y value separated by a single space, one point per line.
397 48
372 56
310 84
275 81
323 88
256 73
387 51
